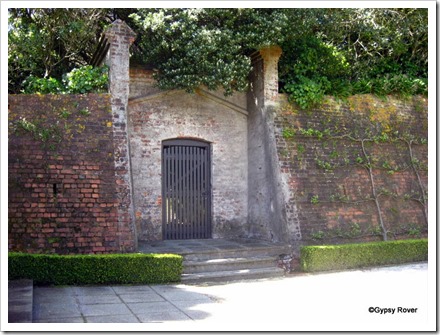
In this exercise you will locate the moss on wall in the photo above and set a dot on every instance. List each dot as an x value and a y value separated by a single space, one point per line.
357 169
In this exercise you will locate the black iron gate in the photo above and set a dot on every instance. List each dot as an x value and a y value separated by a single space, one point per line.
186 189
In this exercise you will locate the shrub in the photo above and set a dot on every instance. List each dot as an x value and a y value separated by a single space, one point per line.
82 80
348 256
86 79
95 269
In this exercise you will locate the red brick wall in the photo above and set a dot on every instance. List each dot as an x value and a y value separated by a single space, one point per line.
330 187
62 188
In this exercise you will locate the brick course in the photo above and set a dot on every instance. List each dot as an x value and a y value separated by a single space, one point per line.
62 192
334 202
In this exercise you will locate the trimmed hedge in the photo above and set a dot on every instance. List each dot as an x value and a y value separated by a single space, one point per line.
95 269
349 256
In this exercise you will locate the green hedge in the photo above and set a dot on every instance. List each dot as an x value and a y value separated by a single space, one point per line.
349 256
95 269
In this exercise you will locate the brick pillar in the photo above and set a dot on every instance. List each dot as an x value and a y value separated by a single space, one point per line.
266 198
120 37
270 56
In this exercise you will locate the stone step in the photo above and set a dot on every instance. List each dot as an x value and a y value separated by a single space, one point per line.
220 260
224 264
229 276
243 252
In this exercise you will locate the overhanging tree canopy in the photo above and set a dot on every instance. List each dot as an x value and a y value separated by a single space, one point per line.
325 51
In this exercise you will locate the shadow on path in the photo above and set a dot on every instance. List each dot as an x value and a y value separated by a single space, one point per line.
119 304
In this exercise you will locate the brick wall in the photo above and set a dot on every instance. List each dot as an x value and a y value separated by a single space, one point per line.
62 185
329 183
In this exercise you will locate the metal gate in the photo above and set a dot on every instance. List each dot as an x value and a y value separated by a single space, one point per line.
186 189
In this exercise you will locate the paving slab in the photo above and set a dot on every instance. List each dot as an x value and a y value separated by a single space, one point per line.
59 309
162 316
61 320
94 290
105 309
112 319
141 297
20 300
126 289
151 307
98 299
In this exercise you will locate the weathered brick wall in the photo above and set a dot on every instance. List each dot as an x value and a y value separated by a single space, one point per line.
62 185
326 168
154 116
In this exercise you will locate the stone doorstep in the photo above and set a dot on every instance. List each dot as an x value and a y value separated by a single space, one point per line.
228 261
20 301
229 276
222 264
234 253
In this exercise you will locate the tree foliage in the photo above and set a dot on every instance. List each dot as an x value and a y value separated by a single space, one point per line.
50 42
349 51
325 50
211 47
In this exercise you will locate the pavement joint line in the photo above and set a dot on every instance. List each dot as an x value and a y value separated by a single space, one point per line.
79 307
172 303
128 307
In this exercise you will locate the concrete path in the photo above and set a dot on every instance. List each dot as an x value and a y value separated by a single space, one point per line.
350 300
20 301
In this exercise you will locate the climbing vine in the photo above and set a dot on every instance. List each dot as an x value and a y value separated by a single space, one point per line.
359 145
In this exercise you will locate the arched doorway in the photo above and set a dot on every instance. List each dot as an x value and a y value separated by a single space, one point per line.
186 189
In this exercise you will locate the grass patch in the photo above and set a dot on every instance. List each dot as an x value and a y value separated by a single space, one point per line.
357 255
95 269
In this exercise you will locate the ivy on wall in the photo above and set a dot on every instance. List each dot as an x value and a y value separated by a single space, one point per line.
359 137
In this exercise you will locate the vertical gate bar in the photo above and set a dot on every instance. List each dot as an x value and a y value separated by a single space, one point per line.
184 192
176 191
207 194
170 192
169 174
163 192
179 192
189 184
203 186
199 194
189 172
173 218
194 202
176 195
208 190
193 219
188 187
181 196
202 192
167 190
188 222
